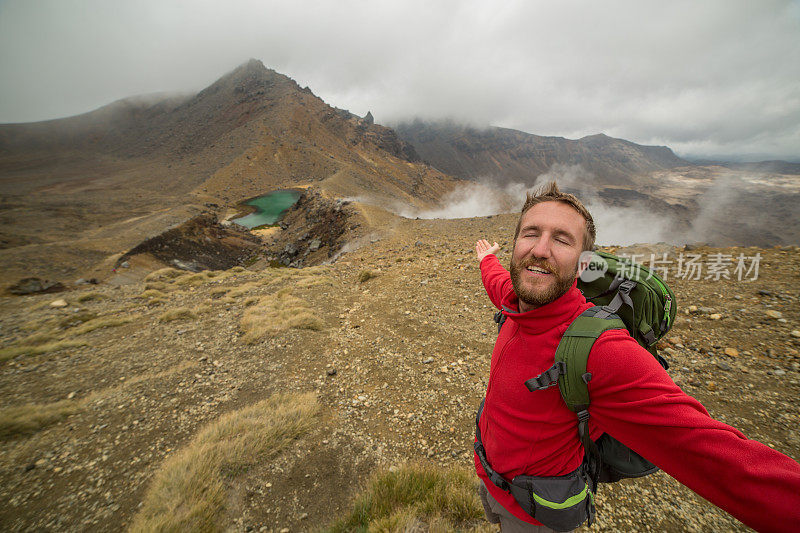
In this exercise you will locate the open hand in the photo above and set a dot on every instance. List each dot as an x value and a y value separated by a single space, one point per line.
483 248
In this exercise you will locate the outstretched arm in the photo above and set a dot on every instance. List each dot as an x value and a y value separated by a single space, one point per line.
635 401
496 279
483 248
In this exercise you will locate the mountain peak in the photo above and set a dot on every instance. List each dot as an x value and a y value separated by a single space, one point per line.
252 66
250 79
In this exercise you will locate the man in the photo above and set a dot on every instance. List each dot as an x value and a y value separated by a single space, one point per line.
632 398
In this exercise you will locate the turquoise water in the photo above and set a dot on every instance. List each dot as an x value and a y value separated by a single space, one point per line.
269 208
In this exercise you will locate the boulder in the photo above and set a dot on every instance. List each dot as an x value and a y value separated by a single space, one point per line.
35 286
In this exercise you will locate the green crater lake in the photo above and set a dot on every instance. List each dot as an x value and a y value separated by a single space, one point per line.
269 208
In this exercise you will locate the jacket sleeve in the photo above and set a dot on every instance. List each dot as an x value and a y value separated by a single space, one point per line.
634 400
496 280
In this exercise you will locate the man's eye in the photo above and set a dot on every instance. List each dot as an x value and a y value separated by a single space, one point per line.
563 241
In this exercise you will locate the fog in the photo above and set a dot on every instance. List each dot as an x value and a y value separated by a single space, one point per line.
614 224
714 79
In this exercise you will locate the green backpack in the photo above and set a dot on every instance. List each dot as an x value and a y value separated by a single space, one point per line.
626 296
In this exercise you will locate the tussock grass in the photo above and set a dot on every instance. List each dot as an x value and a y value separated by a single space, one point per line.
155 285
314 281
163 274
37 338
191 279
59 334
275 313
15 351
27 419
36 324
238 269
152 293
90 297
216 292
99 323
242 290
75 319
177 314
251 301
417 497
366 275
189 493
314 270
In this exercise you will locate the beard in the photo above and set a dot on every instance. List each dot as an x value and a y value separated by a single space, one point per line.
539 296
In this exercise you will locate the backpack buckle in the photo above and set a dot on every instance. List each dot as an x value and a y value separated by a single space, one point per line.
547 378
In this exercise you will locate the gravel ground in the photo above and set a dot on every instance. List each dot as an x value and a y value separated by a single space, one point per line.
399 367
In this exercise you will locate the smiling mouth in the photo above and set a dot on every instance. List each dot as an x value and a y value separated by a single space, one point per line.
537 270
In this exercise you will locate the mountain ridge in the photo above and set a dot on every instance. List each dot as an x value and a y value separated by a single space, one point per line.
505 155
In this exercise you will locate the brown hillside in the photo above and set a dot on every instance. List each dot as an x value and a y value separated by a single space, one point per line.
135 168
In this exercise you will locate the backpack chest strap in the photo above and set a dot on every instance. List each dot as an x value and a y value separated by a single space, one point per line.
569 367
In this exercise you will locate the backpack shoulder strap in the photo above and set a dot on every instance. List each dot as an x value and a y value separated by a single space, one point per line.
573 350
569 368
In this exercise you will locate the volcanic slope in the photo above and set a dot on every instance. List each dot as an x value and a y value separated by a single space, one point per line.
393 340
78 190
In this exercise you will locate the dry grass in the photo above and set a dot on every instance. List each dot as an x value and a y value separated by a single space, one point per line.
75 319
275 313
59 333
366 275
90 297
242 290
99 323
163 274
37 338
27 419
417 498
99 396
190 492
177 314
152 293
155 286
217 292
314 281
190 280
15 351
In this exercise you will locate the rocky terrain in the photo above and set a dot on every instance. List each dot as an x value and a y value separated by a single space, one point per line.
98 389
76 193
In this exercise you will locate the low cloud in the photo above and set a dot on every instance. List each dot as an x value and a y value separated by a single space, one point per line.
712 78
615 225
472 200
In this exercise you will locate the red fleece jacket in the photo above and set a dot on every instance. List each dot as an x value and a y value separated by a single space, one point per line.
634 400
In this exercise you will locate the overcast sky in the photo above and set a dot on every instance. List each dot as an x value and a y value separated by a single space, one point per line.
711 78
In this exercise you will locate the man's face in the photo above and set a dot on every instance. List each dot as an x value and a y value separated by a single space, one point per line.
545 259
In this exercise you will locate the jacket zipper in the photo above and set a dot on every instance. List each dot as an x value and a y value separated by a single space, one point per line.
496 369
